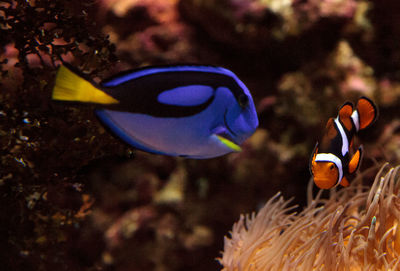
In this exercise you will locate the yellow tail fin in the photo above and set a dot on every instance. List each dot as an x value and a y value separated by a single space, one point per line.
71 87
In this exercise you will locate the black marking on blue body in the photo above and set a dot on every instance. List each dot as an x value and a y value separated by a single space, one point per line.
139 95
227 126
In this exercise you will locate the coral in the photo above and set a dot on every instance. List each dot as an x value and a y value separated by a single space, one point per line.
272 29
155 31
356 228
39 206
376 38
341 74
44 32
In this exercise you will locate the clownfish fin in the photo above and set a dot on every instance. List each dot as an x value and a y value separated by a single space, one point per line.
344 182
313 155
345 115
355 160
329 124
331 131
70 86
367 112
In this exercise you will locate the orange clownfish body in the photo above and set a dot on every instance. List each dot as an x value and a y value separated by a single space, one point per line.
330 162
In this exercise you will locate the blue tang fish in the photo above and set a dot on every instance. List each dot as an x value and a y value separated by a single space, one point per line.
188 110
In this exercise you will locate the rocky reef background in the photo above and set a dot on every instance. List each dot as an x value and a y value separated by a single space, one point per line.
72 197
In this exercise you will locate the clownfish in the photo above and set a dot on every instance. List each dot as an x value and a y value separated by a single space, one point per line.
330 161
189 110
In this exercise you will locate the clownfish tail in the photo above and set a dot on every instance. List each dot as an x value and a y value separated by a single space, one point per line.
70 86
367 112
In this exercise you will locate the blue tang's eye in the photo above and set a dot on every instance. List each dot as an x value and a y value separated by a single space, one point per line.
243 100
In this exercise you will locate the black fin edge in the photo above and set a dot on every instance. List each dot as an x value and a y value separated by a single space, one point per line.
312 156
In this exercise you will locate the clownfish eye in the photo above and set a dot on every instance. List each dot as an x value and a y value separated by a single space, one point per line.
331 167
243 100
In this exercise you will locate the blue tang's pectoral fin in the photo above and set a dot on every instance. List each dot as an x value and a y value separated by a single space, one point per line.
224 138
227 143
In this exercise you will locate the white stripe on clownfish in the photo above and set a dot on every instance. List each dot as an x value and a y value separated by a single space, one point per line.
329 157
345 141
356 120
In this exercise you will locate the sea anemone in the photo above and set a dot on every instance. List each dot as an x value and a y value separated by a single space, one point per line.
356 228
